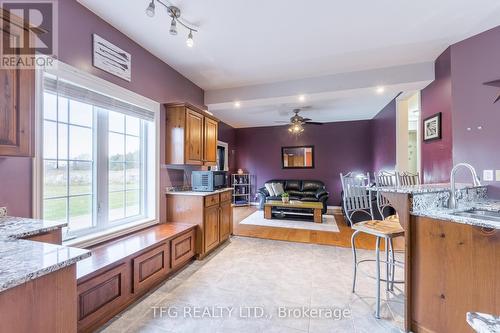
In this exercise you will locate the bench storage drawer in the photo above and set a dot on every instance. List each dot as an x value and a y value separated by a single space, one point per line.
150 266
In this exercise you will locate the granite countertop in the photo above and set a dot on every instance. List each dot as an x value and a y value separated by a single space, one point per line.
447 214
196 193
422 188
483 323
25 260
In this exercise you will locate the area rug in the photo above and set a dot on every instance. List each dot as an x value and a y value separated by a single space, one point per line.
257 218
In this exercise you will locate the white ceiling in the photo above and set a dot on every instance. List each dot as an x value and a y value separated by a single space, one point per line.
248 43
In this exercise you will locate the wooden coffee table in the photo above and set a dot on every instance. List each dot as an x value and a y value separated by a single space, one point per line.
317 208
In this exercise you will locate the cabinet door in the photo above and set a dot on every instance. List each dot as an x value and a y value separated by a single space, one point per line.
16 112
150 267
211 227
194 138
225 220
210 142
183 249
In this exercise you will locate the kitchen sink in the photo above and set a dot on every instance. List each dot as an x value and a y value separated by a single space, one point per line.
482 214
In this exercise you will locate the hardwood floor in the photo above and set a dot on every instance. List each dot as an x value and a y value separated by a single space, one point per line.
342 238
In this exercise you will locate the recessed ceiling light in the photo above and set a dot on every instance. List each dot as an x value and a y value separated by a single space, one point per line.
237 104
380 90
302 98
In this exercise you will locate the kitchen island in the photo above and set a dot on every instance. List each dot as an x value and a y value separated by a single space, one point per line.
37 279
452 260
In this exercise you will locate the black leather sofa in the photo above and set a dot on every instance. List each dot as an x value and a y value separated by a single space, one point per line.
302 190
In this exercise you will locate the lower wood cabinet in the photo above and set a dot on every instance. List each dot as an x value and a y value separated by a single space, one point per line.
51 237
211 227
225 219
150 266
102 295
212 213
183 249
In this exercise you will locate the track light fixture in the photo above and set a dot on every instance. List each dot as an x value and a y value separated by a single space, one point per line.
175 14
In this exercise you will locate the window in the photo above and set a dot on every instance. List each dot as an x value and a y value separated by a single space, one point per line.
99 159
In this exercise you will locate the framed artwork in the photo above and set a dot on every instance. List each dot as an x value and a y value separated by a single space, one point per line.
432 127
111 58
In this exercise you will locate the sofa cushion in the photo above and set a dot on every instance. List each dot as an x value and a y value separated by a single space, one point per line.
278 189
308 194
311 185
309 199
269 188
295 193
293 185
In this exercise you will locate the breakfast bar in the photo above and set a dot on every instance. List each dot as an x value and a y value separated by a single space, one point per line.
445 250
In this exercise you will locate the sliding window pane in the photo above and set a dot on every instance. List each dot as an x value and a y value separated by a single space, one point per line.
116 122
63 109
116 205
55 179
116 147
55 209
80 178
116 176
133 126
80 143
132 148
49 106
133 173
80 113
80 212
62 134
49 139
133 203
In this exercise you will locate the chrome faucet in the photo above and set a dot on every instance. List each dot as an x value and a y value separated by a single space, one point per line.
475 180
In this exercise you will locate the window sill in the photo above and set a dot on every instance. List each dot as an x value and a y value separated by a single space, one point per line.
105 235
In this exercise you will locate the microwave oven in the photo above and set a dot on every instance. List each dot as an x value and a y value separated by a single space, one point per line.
208 181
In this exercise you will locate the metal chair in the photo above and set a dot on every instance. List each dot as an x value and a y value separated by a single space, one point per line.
384 178
358 199
408 178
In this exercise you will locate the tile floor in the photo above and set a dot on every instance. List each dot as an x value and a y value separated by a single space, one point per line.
263 275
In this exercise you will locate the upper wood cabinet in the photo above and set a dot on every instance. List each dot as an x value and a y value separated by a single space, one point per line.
17 95
210 147
191 136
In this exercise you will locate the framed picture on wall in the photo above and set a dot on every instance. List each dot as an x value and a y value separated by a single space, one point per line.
432 127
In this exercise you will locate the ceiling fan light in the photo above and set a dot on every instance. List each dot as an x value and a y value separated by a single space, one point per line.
150 11
190 41
173 27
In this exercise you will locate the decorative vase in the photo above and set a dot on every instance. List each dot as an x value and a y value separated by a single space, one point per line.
285 199
240 171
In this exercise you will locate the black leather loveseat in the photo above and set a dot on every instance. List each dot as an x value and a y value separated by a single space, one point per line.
302 190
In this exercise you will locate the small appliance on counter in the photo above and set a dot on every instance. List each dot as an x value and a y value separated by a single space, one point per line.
208 181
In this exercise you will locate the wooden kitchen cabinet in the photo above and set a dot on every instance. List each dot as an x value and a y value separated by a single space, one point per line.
17 95
212 213
211 227
455 269
210 146
190 136
226 220
150 266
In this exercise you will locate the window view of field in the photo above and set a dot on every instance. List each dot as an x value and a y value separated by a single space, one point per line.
70 155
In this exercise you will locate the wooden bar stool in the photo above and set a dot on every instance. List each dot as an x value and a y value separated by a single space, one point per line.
357 199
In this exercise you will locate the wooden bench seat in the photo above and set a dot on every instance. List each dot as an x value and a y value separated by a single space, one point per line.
122 270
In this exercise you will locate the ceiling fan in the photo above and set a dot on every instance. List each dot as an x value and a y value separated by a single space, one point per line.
297 122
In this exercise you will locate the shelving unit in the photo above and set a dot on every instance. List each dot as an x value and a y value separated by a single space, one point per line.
241 189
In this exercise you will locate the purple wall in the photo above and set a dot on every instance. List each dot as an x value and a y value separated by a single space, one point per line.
474 61
338 147
436 97
384 138
150 77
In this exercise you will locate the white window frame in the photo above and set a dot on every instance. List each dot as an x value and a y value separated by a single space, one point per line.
95 83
